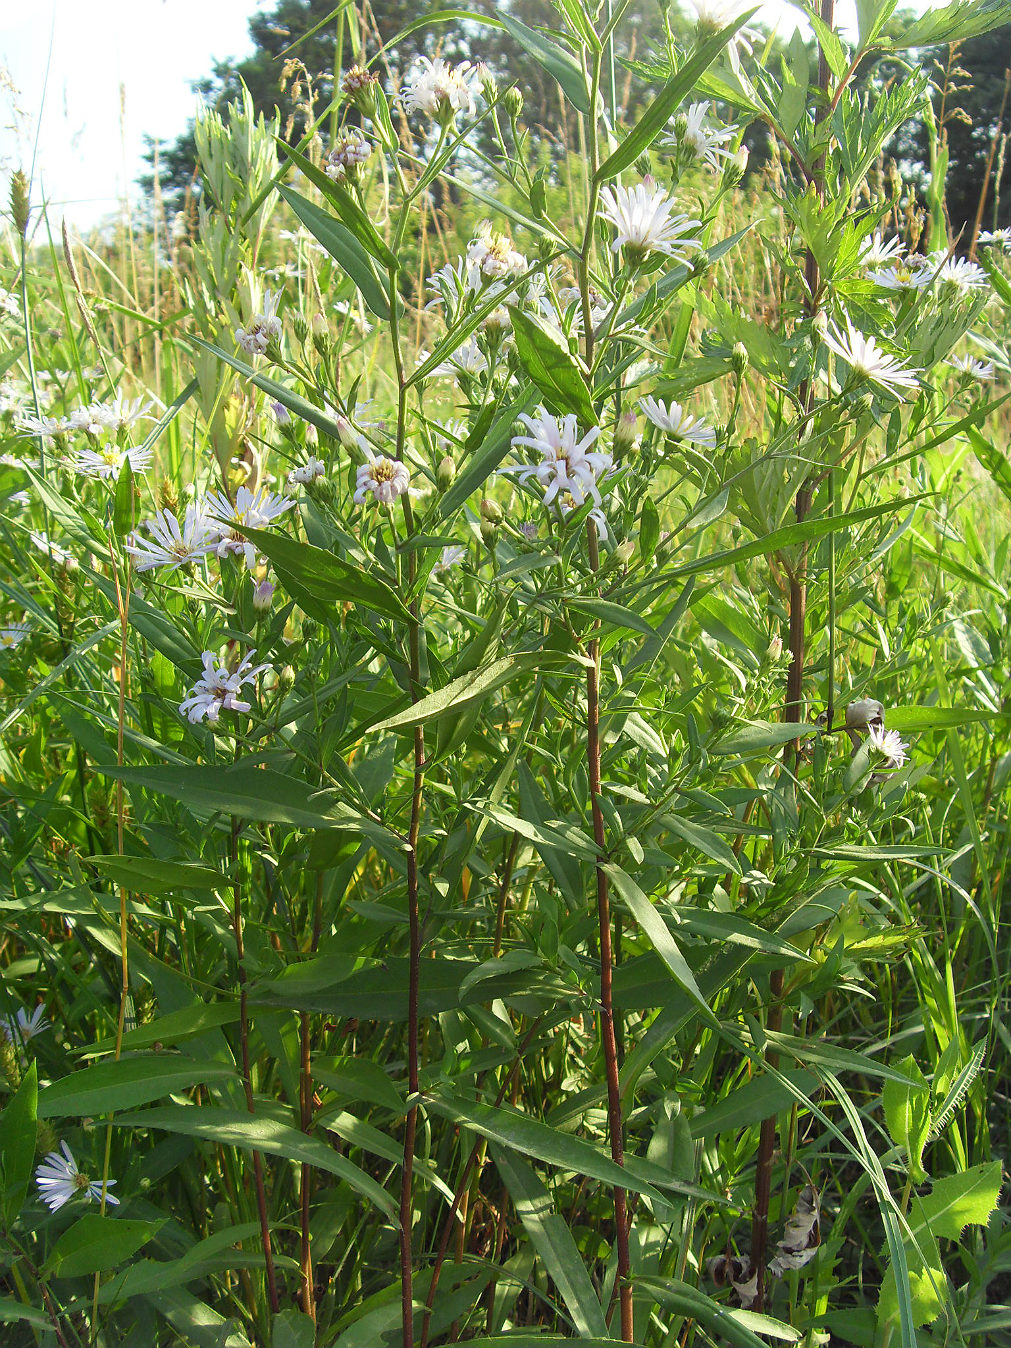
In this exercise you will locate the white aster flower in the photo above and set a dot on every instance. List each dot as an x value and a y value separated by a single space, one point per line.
713 15
46 427
265 327
59 1180
889 744
307 472
385 479
171 545
438 89
701 141
866 358
25 1025
642 216
468 359
876 250
218 688
910 273
492 254
121 413
451 556
12 635
675 421
995 238
981 370
962 275
567 462
253 509
108 461
350 150
567 504
353 316
9 303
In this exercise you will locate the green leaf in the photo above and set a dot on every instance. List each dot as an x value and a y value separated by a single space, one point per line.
652 924
464 691
649 530
17 1144
110 1086
170 1029
659 111
952 23
559 375
255 793
321 580
614 615
761 735
956 1201
256 1132
913 719
521 1132
294 402
907 1114
722 1322
376 992
755 1100
353 217
148 875
96 1243
345 250
123 506
486 458
704 840
550 1235
563 68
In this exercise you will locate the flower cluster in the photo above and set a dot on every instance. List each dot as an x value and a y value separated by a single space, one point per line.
438 89
569 471
206 528
695 139
351 150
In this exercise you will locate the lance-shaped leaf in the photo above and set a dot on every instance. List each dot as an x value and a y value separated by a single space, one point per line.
258 1132
658 114
551 365
486 458
561 65
321 580
552 1240
125 1084
346 250
294 402
353 217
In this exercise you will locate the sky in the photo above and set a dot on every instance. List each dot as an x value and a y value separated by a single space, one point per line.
93 76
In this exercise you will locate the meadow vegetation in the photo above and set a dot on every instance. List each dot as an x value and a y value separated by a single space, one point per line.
506 709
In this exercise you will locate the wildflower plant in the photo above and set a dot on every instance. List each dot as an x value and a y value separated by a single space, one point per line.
470 789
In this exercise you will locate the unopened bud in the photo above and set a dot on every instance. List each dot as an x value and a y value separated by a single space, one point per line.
622 554
491 511
739 356
445 473
487 81
310 628
866 711
513 101
285 678
263 596
359 87
489 532
681 125
702 263
19 202
300 327
625 437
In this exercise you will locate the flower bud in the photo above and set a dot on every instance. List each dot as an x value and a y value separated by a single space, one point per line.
301 328
513 101
491 511
739 357
866 711
19 202
262 597
625 438
285 678
487 81
489 532
359 88
445 473
820 323
702 263
622 554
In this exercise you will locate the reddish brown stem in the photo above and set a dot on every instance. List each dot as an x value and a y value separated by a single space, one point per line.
615 1123
247 1083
